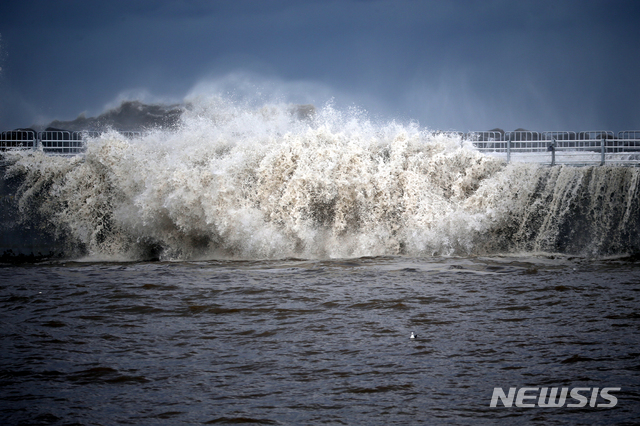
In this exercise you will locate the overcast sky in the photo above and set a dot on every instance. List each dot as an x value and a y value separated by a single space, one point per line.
451 65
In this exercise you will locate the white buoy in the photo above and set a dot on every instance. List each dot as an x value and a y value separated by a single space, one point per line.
413 336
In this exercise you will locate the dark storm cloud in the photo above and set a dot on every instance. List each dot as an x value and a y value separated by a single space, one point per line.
453 65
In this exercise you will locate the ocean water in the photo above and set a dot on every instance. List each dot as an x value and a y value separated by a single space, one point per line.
317 341
266 264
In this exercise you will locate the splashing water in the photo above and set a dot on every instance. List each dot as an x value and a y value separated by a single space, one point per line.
261 182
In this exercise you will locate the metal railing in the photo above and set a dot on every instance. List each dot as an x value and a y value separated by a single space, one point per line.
54 142
61 142
571 148
18 140
559 147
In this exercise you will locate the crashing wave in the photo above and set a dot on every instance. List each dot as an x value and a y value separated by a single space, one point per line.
272 182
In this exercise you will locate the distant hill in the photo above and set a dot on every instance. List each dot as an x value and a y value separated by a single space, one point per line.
128 116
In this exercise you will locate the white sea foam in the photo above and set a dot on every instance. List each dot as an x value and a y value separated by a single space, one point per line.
265 182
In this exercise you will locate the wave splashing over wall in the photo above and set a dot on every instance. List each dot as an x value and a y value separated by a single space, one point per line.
271 182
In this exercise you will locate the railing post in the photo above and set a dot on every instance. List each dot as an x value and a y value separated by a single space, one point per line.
552 148
602 152
509 148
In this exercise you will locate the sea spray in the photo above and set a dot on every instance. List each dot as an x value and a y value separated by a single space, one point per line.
260 182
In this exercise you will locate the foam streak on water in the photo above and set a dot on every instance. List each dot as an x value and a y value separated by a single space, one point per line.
260 182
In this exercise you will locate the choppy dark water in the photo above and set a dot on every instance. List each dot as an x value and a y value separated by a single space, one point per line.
316 342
